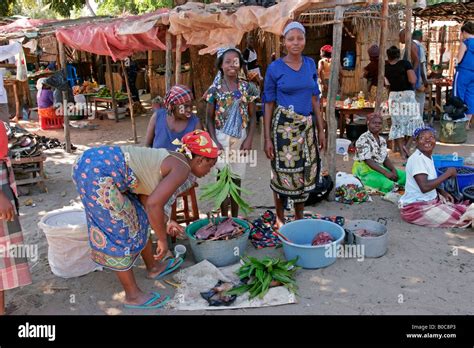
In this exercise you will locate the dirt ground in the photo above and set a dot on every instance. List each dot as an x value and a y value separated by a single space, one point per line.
425 271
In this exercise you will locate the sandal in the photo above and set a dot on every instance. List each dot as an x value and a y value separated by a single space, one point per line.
170 267
148 304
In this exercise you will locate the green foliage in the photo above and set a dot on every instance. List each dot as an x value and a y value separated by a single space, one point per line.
261 273
64 7
117 7
36 9
6 8
223 187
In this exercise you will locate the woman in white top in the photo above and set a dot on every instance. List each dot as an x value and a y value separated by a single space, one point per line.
424 202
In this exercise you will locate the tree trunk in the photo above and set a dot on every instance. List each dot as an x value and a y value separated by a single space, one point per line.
203 69
331 100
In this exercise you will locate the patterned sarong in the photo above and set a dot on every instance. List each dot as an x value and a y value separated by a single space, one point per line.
116 220
437 214
14 271
295 168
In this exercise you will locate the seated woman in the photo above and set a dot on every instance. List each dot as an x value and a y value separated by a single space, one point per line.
372 165
174 121
45 99
424 202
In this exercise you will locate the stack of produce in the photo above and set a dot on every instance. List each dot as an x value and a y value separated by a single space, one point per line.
259 276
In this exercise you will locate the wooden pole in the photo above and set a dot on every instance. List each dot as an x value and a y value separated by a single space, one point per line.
150 68
67 135
383 40
277 46
130 102
178 59
333 89
18 115
112 86
169 61
408 28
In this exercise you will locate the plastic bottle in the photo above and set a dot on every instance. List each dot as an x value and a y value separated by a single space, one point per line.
361 100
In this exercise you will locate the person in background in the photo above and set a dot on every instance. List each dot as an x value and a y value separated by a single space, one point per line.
6 51
126 189
416 67
45 99
371 73
371 163
250 59
324 69
132 73
231 116
402 105
420 93
14 271
291 141
464 77
425 203
169 124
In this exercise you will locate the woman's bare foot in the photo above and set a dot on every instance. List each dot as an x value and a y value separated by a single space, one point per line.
141 298
159 267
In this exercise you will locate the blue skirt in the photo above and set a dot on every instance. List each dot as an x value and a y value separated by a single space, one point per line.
116 220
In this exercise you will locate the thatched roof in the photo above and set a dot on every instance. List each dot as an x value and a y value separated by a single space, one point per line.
447 10
367 12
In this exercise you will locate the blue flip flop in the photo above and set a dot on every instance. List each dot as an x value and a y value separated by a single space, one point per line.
147 304
170 269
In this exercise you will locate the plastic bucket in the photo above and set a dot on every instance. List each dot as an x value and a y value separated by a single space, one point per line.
218 252
447 161
464 180
301 233
342 146
68 242
453 132
372 246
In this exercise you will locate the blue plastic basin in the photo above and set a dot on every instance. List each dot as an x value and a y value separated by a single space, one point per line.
301 233
447 161
464 180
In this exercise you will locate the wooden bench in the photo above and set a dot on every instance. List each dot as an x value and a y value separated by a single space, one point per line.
36 172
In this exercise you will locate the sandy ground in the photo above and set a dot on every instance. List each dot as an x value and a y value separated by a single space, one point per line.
420 274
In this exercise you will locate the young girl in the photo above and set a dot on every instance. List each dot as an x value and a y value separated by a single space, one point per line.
14 271
231 116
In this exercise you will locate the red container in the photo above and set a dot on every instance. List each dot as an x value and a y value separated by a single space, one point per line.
51 122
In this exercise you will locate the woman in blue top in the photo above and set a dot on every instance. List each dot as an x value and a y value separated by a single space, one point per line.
291 94
464 78
172 122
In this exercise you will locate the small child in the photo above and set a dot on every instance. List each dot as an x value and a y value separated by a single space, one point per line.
14 271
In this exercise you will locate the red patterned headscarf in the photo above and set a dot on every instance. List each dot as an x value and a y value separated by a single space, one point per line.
200 143
177 95
327 48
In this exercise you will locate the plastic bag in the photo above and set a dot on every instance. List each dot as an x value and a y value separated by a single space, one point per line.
21 69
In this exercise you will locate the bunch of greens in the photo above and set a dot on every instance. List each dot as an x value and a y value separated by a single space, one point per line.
223 187
259 275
